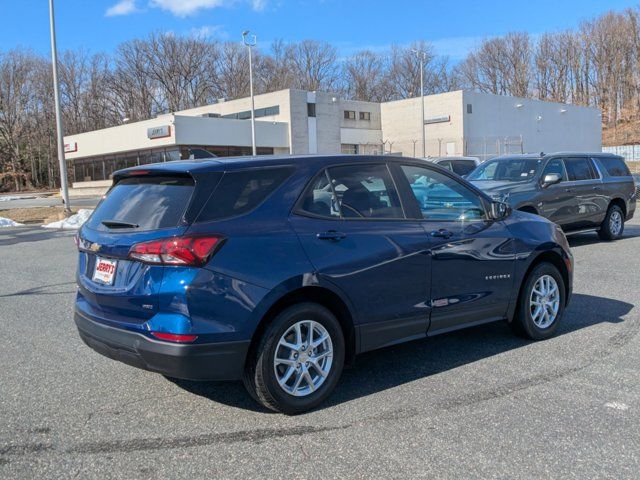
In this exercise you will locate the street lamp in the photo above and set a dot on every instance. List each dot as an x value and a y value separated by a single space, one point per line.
250 44
422 56
56 98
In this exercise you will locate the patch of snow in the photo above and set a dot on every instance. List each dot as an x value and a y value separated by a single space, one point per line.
8 198
7 222
73 222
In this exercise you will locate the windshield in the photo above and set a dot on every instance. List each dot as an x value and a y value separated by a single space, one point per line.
507 169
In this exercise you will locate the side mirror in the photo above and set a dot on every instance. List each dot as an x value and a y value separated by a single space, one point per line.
499 210
551 179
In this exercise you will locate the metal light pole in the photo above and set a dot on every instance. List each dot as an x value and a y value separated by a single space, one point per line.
56 98
422 56
250 45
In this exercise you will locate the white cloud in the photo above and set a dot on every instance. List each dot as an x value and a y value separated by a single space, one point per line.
185 8
123 7
259 5
208 31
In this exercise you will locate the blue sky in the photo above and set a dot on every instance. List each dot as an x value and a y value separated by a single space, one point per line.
452 26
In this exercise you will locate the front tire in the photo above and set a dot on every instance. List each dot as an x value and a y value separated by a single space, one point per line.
541 303
298 361
613 224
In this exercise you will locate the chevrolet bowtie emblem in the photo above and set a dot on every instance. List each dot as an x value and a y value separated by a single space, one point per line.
94 247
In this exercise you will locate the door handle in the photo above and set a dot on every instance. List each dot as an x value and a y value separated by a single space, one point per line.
441 233
568 190
331 235
597 188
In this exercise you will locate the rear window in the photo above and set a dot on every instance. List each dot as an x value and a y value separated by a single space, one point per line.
144 203
241 191
615 166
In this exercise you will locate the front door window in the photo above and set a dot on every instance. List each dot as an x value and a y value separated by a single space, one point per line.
442 198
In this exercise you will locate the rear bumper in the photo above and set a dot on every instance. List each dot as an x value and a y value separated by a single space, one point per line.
211 361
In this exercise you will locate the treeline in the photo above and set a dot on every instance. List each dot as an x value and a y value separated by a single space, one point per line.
597 64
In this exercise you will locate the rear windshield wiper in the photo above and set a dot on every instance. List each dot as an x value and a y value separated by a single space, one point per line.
118 224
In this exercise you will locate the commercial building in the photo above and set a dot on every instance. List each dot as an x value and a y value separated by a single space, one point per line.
301 122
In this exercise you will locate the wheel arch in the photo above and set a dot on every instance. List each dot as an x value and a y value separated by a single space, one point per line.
620 203
555 259
314 294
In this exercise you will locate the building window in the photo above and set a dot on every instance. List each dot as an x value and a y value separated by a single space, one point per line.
349 148
365 115
311 109
349 115
469 108
259 112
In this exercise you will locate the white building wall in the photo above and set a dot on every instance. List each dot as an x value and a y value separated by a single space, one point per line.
544 126
123 138
401 124
225 131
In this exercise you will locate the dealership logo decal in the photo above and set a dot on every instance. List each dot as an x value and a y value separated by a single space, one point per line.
159 132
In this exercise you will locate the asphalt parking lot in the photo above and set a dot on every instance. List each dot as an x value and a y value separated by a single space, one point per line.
475 403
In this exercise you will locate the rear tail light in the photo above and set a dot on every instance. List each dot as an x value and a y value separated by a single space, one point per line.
189 251
175 337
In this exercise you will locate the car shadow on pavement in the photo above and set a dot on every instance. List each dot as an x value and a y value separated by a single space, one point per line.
590 238
382 369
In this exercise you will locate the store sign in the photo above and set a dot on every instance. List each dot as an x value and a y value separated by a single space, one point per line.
71 147
159 132
443 119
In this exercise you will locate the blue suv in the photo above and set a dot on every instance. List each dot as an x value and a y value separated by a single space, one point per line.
278 270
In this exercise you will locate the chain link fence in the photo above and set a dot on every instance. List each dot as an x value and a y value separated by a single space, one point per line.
488 147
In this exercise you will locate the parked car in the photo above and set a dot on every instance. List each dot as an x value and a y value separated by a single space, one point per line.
462 166
578 191
278 270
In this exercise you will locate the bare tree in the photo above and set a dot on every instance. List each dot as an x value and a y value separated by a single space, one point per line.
273 72
232 71
17 101
314 65
366 76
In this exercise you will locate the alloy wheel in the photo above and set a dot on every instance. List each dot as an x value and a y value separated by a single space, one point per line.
303 358
544 301
615 222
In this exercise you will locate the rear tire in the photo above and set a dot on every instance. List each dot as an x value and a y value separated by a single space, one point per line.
541 303
613 225
273 368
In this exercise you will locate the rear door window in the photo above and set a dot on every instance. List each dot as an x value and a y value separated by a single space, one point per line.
365 191
615 166
319 198
580 168
144 203
241 191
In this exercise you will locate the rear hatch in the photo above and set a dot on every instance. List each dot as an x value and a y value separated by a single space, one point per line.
142 206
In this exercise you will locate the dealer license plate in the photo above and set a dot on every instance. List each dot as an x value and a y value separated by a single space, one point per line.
105 271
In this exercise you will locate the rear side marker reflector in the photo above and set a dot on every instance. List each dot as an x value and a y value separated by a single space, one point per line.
175 337
188 251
